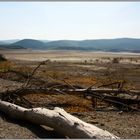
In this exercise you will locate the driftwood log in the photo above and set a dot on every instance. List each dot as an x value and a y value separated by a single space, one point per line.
57 119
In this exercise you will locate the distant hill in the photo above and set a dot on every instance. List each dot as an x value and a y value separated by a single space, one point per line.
64 45
1 42
115 45
30 43
4 46
112 45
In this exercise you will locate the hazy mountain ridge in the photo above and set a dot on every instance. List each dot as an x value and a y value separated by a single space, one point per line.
5 46
30 44
113 45
122 44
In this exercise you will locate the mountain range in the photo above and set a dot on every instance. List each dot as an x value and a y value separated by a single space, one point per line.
112 45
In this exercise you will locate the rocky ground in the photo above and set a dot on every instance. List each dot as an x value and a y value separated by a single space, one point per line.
122 124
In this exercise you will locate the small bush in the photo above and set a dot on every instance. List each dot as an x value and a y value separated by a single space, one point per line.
115 60
2 58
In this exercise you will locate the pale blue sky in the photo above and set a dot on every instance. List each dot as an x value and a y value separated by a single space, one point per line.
69 20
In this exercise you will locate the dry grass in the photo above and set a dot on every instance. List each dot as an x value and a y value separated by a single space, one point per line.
82 76
83 80
24 69
58 73
70 103
6 65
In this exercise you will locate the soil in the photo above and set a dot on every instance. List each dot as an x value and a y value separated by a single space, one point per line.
122 124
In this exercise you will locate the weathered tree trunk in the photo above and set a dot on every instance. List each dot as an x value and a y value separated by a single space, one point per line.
58 119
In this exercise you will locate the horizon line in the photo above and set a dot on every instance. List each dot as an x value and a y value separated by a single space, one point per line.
70 39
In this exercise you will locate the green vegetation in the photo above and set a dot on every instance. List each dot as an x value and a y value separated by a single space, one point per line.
106 45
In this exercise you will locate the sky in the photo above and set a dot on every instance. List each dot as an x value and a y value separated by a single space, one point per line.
69 20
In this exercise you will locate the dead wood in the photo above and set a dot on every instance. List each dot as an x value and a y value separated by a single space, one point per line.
118 84
120 103
58 119
102 94
33 72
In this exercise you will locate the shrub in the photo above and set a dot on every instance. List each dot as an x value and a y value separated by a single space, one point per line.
2 58
115 60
